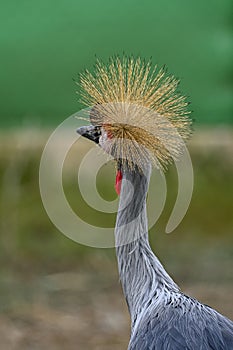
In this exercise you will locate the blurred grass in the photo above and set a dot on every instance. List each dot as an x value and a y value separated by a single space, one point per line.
28 234
43 274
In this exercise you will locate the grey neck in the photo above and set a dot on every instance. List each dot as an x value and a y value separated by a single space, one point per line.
142 275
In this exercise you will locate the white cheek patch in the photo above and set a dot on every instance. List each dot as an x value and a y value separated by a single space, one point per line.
104 141
103 138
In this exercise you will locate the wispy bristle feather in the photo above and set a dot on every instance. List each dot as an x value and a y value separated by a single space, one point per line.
139 105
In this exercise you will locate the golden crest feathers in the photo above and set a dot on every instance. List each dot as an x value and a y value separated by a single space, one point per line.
140 107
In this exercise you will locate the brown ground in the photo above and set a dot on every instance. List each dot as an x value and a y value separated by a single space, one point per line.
80 311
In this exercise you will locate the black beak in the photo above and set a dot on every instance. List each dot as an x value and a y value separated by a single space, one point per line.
91 132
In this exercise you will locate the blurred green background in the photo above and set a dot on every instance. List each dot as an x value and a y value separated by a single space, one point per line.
45 44
56 293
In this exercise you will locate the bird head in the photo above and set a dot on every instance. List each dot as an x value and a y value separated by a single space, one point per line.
136 114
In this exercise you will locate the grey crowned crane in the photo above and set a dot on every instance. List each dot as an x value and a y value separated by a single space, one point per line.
140 119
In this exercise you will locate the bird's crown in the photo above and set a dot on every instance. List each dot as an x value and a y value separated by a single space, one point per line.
139 108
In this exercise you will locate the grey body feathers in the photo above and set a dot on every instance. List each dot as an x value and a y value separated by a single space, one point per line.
162 317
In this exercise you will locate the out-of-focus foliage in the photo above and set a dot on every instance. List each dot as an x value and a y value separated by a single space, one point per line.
28 238
45 44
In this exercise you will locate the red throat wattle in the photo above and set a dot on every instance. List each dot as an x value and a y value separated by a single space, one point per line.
118 182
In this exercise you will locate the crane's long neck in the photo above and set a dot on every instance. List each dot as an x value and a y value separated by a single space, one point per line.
142 275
